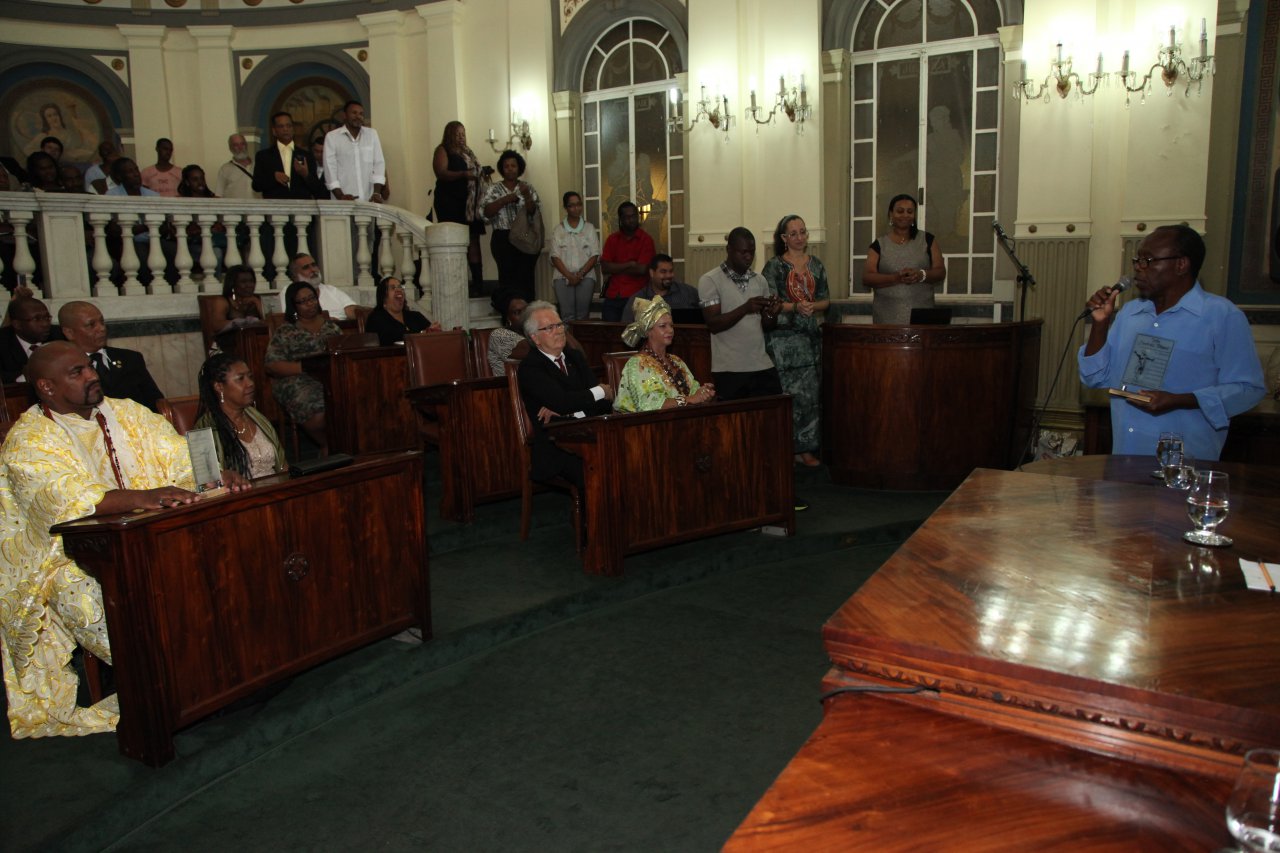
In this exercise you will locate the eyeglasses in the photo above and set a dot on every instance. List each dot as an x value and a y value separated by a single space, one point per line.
552 327
305 300
1143 263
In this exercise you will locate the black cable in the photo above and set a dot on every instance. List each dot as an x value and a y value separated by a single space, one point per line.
1057 374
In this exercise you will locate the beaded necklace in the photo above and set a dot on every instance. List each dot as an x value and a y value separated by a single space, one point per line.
675 376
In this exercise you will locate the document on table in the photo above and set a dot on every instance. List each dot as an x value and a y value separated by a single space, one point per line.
1261 576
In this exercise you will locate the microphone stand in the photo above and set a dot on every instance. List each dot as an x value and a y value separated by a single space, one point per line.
1025 278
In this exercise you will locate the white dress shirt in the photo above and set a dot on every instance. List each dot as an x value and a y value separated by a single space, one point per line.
354 164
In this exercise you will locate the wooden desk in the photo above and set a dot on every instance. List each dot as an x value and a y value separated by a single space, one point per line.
1048 622
713 468
692 344
480 457
364 403
919 407
209 602
1260 480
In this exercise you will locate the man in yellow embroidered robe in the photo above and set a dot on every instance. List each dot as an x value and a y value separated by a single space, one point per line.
73 454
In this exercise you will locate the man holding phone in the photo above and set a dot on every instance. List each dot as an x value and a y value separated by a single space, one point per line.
283 170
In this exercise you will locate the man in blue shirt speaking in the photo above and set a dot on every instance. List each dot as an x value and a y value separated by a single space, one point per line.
1189 351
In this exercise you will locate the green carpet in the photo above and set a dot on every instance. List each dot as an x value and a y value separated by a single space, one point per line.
552 711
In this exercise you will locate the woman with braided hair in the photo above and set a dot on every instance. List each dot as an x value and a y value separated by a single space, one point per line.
245 440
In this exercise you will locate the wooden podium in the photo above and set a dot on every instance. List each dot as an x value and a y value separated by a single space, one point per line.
207 603
668 476
919 407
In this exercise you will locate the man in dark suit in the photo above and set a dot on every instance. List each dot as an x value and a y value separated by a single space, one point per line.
30 325
283 170
122 372
556 382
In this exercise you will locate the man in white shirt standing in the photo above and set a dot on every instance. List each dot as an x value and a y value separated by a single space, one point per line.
354 168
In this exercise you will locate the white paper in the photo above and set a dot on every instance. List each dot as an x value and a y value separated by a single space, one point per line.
1255 578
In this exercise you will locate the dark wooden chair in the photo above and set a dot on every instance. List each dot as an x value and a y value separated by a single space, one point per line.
179 411
433 358
525 431
613 364
480 352
210 322
362 316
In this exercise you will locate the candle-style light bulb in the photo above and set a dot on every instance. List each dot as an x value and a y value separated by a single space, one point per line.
1124 70
1204 38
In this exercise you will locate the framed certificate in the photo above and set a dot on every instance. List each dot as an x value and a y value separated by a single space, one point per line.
204 461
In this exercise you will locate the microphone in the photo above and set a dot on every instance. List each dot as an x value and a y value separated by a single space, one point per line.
999 231
1119 287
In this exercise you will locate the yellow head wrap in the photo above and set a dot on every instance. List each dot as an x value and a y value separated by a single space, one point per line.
647 313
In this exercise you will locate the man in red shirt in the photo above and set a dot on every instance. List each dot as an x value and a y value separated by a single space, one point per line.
625 260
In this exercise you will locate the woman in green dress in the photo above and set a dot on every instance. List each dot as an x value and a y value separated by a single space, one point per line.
795 345
304 334
654 378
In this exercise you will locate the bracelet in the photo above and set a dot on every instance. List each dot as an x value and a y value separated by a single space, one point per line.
924 276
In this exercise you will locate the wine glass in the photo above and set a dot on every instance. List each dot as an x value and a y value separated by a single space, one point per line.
1253 809
1207 506
1179 469
1164 444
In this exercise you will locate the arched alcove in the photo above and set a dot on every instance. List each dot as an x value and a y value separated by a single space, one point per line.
280 73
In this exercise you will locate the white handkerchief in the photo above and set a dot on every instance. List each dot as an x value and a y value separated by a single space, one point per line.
1263 576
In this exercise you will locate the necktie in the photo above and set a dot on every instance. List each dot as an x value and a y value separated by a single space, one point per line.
560 364
98 366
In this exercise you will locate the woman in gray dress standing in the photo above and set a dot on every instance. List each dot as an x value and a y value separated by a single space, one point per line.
902 266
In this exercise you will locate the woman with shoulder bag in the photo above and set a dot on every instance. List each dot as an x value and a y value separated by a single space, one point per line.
513 205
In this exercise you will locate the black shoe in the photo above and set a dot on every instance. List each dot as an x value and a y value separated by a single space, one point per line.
801 504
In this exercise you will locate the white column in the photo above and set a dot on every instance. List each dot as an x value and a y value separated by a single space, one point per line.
63 260
386 259
129 263
231 222
256 259
155 256
182 255
151 119
447 300
336 258
280 257
217 83
24 264
363 258
208 258
101 257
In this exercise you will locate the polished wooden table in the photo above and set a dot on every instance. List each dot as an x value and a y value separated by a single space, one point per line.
364 403
209 602
919 407
480 459
658 478
1059 628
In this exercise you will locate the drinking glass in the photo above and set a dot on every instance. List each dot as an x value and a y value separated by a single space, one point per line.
1253 809
1179 469
1207 506
1164 444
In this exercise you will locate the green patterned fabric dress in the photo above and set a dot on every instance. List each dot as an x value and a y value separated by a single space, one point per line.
796 347
644 386
301 395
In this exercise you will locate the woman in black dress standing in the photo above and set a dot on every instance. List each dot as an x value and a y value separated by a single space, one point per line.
460 181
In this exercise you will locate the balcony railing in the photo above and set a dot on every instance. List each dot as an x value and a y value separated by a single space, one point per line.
71 247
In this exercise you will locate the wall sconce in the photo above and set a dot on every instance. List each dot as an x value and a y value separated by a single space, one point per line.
1061 79
519 133
792 102
714 110
1171 66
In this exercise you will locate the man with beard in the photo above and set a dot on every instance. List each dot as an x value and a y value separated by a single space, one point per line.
354 168
304 268
123 372
73 454
235 177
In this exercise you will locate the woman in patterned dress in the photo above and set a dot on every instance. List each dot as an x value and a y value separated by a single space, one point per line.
795 344
902 266
654 378
304 334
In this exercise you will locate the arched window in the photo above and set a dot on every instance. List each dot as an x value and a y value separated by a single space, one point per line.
627 152
926 119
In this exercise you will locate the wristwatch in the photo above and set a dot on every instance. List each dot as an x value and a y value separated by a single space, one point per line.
681 401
